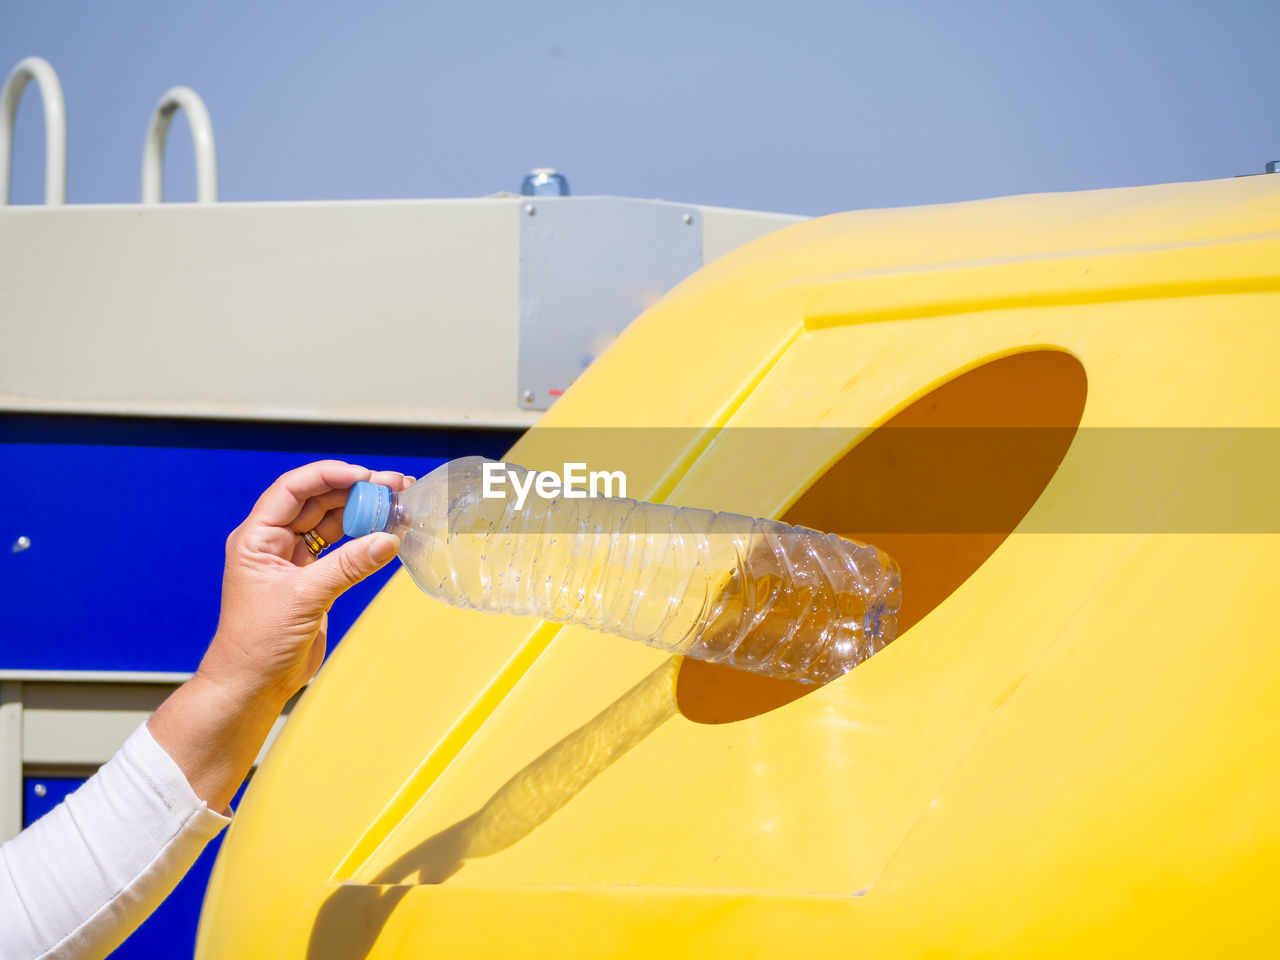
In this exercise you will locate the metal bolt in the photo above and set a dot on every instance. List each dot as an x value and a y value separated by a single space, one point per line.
688 219
528 396
39 789
22 543
530 209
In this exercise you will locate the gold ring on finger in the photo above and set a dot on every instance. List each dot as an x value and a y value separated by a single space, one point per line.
315 543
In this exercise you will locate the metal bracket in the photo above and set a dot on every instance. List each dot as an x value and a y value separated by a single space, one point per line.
588 267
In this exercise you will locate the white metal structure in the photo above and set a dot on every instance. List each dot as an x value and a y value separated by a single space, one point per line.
391 312
55 128
174 99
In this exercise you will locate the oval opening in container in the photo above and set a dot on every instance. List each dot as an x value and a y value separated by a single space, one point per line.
938 487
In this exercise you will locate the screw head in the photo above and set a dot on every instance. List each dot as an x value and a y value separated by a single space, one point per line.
22 543
688 219
530 209
527 396
40 790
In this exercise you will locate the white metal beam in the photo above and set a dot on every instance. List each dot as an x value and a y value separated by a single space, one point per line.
10 760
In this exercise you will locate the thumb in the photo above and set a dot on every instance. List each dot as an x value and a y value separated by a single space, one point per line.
330 576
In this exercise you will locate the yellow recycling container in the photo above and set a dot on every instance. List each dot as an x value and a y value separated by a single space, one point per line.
1058 413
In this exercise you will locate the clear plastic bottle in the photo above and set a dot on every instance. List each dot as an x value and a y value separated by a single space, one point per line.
758 595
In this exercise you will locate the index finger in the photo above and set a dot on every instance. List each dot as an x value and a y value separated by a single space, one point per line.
283 500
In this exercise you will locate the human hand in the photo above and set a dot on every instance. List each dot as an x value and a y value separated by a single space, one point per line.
271 635
272 630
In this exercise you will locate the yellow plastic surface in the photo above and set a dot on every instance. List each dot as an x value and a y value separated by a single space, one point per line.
1070 751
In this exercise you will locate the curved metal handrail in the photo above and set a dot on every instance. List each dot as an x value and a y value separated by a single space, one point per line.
201 136
55 127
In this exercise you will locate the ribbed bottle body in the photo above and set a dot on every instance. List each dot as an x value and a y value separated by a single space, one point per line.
759 595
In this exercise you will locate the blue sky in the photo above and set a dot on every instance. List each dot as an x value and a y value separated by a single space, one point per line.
796 106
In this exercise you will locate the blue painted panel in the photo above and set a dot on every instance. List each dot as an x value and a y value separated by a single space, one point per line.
128 518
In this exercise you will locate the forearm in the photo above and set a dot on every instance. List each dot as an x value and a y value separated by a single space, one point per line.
214 732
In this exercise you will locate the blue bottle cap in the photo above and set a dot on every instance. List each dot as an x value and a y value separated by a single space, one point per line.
368 509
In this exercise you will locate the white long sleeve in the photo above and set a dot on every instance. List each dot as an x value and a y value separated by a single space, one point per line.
77 882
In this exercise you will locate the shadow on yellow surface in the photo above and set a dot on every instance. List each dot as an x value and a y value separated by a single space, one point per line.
352 917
